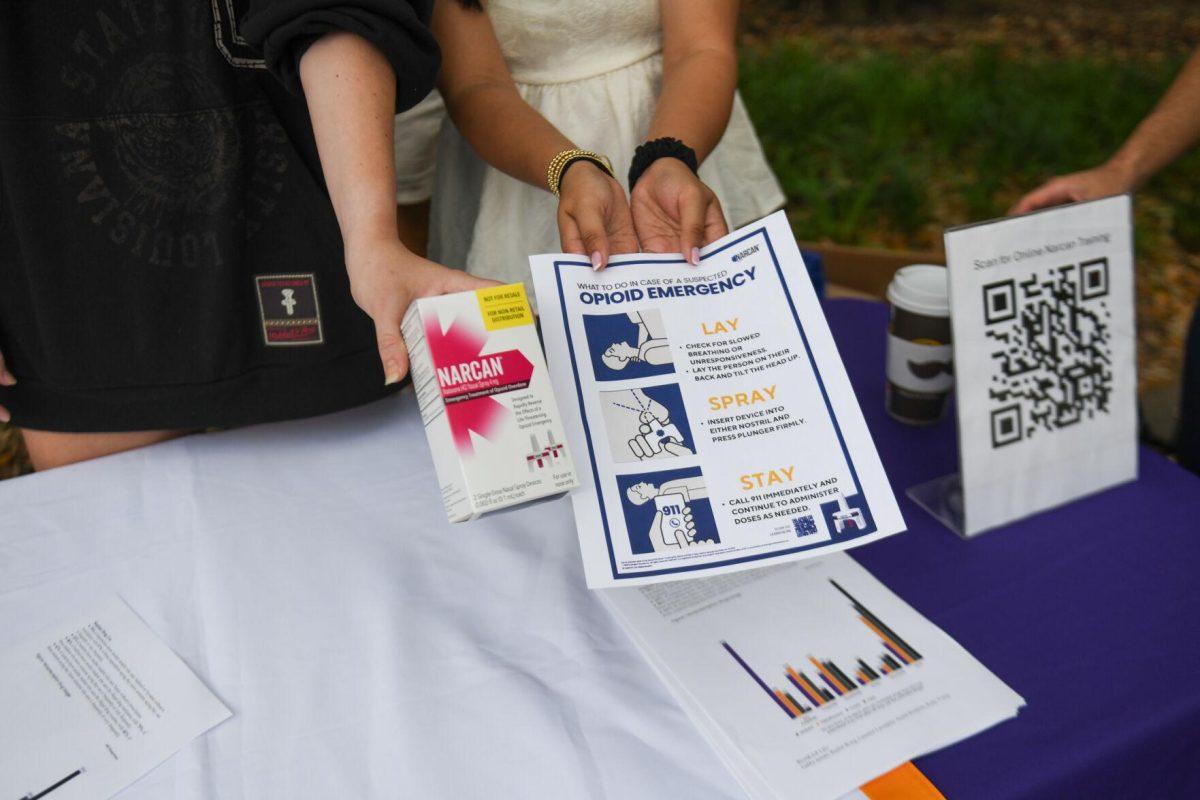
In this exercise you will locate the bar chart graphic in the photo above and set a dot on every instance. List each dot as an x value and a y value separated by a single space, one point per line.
821 682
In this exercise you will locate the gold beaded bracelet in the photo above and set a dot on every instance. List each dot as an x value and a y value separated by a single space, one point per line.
559 163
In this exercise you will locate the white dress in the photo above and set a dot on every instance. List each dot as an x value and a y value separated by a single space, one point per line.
594 70
416 149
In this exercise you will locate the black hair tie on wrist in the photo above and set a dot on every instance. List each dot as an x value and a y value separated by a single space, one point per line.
653 150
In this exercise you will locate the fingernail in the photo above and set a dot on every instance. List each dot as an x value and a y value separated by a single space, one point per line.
391 373
4 415
7 378
696 256
596 262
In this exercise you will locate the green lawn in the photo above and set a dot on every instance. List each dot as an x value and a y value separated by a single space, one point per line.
888 149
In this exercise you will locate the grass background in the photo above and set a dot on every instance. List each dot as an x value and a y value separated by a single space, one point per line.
888 121
885 149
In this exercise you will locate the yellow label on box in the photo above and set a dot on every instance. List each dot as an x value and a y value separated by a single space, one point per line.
504 306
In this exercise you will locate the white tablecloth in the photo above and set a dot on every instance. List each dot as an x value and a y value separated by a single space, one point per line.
368 648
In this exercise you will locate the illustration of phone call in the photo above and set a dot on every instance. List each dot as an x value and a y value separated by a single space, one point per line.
676 526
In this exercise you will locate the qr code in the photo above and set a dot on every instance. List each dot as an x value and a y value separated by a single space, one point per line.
1052 360
804 526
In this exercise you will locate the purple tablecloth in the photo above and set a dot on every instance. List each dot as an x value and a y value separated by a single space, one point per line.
1091 612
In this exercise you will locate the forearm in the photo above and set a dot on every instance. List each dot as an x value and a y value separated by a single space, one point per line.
696 99
521 144
483 100
351 92
1170 130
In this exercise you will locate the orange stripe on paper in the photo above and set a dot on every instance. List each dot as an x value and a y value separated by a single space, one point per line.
814 688
783 698
829 674
820 700
905 782
899 650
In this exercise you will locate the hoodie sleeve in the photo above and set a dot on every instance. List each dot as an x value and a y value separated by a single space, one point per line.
284 29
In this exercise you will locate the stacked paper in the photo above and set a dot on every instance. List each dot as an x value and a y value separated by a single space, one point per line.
810 679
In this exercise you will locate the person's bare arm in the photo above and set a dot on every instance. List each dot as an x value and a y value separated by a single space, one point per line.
351 92
483 100
1166 133
699 72
509 134
1170 130
672 208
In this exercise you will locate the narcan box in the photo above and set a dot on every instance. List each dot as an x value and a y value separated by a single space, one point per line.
481 383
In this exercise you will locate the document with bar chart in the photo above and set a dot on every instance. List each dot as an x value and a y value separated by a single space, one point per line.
811 678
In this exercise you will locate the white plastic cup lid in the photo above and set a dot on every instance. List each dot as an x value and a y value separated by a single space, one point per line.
922 289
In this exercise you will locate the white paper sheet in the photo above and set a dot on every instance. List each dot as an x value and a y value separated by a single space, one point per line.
1044 355
810 679
94 703
719 427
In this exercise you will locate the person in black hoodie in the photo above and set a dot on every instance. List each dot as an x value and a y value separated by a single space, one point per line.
197 221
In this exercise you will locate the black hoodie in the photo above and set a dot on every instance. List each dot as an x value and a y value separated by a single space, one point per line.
169 257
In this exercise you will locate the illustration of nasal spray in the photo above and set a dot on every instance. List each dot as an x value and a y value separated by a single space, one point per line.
847 517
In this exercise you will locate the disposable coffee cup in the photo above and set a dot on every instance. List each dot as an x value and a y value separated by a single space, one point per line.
920 368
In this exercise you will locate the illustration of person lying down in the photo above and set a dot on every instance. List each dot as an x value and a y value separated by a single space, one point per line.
673 527
652 345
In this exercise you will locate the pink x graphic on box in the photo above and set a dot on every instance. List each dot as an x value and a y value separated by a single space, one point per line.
468 378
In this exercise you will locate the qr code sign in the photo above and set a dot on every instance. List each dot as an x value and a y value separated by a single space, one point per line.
1052 361
805 525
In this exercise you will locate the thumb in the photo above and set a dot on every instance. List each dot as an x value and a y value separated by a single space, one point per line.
6 377
714 221
595 236
692 209
462 281
392 351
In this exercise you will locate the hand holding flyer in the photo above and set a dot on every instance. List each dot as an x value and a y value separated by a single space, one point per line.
719 427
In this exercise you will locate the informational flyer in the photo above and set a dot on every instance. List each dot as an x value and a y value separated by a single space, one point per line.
92 705
810 679
710 413
1042 309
